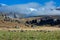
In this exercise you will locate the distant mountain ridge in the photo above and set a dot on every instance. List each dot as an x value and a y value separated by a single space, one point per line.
16 11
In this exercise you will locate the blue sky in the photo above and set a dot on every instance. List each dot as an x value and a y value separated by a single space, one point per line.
13 2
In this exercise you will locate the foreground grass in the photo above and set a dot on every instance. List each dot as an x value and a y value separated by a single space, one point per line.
29 35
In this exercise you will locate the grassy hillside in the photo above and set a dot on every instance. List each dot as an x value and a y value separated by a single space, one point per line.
6 22
17 29
30 35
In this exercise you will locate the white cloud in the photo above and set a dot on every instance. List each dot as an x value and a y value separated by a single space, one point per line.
33 9
3 5
48 9
24 8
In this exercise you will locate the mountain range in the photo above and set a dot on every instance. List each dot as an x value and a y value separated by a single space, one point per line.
27 10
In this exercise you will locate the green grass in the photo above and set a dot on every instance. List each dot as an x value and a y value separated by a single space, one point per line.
29 35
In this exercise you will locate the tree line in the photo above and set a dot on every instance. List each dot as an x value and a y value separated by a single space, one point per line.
42 21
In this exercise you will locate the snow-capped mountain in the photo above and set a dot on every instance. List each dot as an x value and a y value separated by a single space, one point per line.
27 10
18 10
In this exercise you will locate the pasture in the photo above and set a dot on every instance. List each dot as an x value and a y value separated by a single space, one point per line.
30 35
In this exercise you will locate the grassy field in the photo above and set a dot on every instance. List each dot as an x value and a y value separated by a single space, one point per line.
27 33
30 35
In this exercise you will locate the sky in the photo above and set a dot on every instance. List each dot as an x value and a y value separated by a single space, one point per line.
31 7
13 2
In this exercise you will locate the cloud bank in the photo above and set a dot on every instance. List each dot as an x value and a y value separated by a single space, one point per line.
31 9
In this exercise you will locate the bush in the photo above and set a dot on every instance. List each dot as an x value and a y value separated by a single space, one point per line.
17 27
